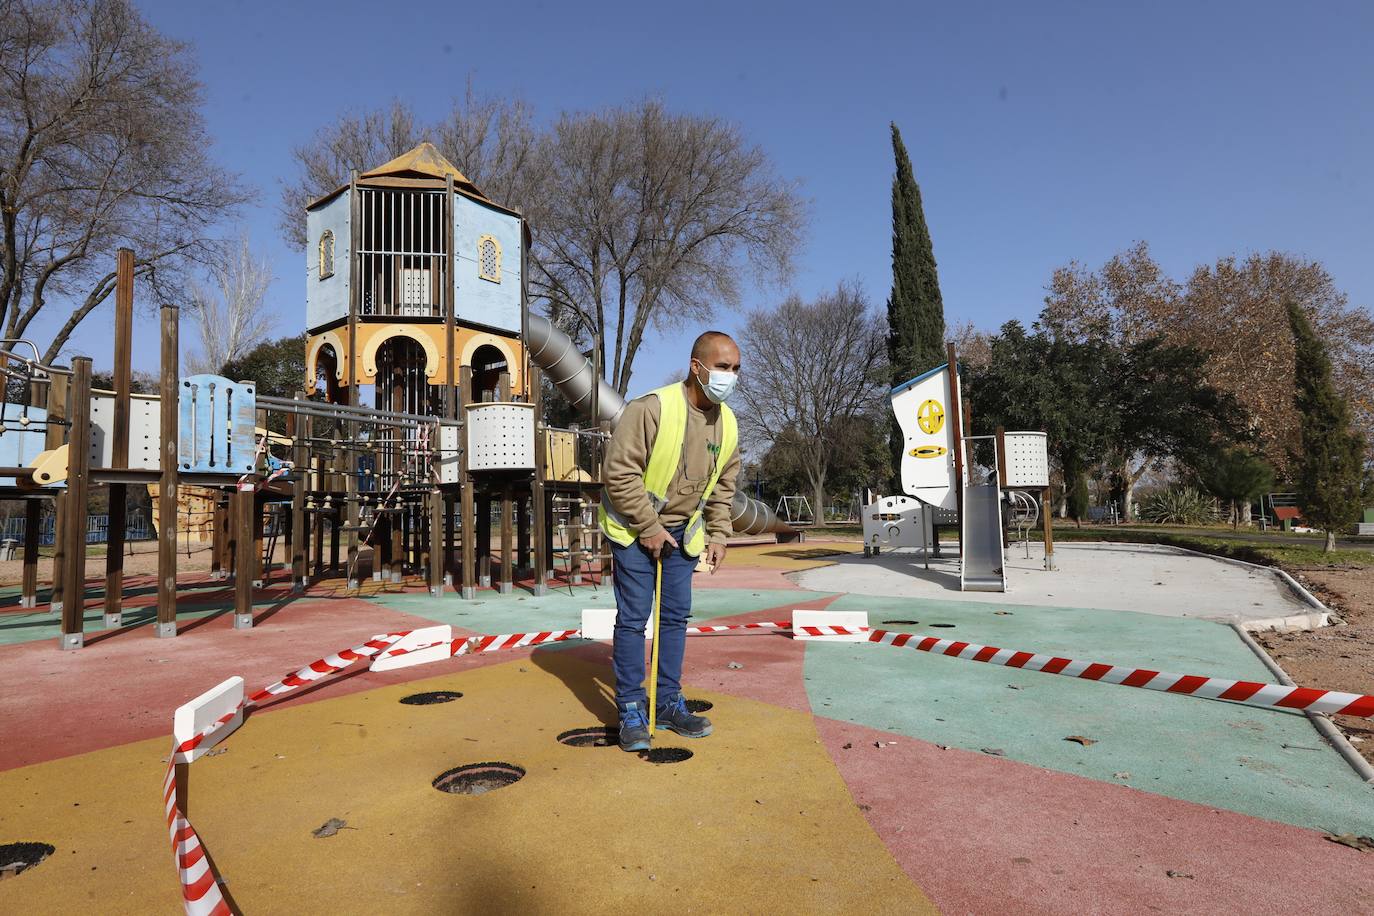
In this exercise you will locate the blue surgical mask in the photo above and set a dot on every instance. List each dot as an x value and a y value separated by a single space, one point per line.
719 386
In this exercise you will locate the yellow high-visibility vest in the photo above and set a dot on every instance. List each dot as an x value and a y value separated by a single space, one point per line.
664 459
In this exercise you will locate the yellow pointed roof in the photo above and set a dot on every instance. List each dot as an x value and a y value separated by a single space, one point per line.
424 161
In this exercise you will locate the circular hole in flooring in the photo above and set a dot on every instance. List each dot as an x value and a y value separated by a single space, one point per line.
667 755
596 736
429 698
696 706
478 778
902 623
20 857
947 626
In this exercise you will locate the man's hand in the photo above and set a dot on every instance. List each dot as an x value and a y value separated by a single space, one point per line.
715 555
654 543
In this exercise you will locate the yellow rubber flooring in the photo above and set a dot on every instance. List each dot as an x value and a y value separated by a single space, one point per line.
757 821
791 557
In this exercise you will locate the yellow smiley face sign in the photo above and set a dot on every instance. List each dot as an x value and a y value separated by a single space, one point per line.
930 416
928 451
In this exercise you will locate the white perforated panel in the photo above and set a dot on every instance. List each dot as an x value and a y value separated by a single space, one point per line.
500 437
145 424
1028 460
448 454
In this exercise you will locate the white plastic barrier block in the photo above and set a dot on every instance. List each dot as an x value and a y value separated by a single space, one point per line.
405 654
204 711
598 623
856 620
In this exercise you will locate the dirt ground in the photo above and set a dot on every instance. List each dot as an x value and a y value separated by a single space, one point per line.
1336 657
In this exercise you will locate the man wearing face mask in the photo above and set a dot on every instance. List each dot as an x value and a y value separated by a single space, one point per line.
670 475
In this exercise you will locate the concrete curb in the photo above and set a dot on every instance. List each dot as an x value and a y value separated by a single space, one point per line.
1324 726
1322 617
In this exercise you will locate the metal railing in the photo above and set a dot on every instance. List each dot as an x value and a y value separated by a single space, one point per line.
402 253
97 530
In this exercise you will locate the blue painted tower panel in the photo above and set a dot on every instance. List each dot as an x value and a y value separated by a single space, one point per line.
495 303
326 298
216 433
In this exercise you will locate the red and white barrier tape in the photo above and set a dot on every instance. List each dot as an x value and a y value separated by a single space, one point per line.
201 893
1249 693
723 628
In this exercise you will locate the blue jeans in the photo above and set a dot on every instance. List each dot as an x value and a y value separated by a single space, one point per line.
634 601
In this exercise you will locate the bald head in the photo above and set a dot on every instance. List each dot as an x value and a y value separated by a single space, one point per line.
704 346
713 354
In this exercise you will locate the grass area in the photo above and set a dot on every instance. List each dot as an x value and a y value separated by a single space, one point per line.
1286 550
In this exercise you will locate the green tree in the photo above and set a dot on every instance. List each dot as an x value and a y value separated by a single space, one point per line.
1237 475
915 310
277 367
1330 462
1099 400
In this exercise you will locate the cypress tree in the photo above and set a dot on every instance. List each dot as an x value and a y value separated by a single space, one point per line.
1331 461
915 311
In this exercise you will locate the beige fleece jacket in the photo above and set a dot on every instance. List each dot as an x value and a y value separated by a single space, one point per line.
627 457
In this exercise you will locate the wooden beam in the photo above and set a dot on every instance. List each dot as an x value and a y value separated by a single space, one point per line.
58 390
170 385
539 520
243 511
119 455
78 498
1047 526
33 519
467 516
507 583
296 427
956 415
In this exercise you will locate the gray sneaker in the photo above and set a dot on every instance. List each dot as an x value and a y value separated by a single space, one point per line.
674 716
634 728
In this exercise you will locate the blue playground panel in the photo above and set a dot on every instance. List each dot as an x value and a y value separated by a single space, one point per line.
21 443
216 426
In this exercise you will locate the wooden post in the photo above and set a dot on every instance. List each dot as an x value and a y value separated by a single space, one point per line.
1001 457
244 509
574 541
351 514
522 534
168 421
436 503
58 389
78 497
955 414
296 427
539 521
217 540
33 519
466 514
507 540
1047 525
483 540
262 565
119 453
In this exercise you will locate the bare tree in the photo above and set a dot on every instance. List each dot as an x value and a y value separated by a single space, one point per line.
808 370
232 316
655 218
1235 311
642 218
102 145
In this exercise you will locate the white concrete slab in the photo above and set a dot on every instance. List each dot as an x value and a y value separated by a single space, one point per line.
1143 578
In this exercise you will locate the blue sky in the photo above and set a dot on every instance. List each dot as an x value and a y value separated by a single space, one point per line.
1039 132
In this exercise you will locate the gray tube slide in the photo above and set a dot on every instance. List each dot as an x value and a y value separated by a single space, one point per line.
572 374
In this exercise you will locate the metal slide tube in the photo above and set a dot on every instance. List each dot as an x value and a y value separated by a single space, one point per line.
572 374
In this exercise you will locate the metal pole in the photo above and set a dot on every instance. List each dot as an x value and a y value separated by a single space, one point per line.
167 488
78 496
